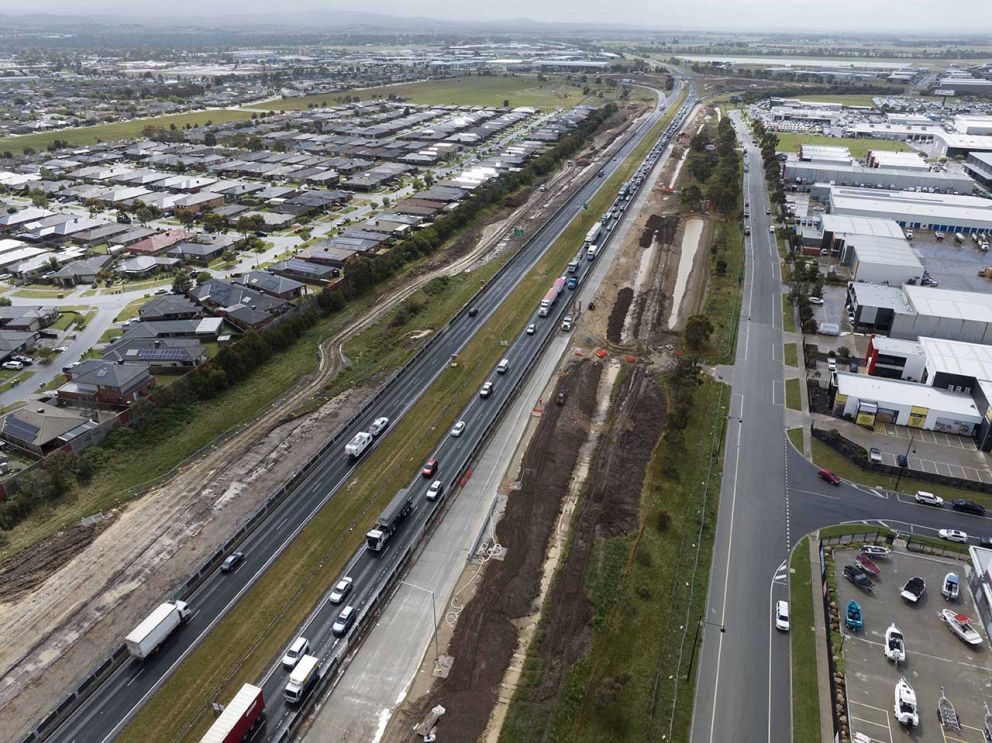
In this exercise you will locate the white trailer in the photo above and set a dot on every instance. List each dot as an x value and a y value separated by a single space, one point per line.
357 446
147 636
593 233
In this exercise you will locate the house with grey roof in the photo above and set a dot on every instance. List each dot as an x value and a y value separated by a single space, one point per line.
82 271
40 428
169 307
100 383
272 284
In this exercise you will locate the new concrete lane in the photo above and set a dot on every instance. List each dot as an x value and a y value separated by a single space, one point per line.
117 699
738 698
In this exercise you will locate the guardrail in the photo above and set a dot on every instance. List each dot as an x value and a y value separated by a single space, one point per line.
106 668
390 580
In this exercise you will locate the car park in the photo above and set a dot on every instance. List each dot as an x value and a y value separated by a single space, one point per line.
296 651
928 499
436 490
344 621
968 506
430 468
953 535
458 429
829 476
341 590
232 561
782 616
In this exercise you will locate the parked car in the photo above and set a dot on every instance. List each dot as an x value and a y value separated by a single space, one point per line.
901 460
968 506
231 563
26 360
13 365
874 456
815 300
829 477
296 651
342 589
782 615
430 468
771 228
344 621
953 535
928 499
832 364
985 542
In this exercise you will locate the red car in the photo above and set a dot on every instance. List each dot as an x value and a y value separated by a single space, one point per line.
430 468
829 477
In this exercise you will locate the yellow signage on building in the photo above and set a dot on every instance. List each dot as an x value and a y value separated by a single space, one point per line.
917 416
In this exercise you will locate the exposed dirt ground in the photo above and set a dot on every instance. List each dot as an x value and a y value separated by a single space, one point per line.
73 597
485 637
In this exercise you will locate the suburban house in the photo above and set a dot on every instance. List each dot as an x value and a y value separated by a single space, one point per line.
143 265
198 202
161 354
40 429
80 272
314 273
169 307
96 382
243 307
30 318
157 243
272 284
14 341
196 252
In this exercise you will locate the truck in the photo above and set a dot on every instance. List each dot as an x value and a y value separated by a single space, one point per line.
573 265
240 719
593 233
592 251
145 639
302 679
389 520
551 297
357 446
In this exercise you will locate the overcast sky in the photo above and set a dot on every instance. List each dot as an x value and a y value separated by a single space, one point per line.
881 16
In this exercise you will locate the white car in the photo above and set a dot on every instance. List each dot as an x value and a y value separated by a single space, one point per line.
782 615
458 429
928 499
771 228
13 365
379 425
832 364
296 651
815 300
953 535
487 390
531 329
342 589
436 490
874 456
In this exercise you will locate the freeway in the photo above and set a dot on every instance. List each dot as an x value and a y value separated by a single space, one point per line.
111 705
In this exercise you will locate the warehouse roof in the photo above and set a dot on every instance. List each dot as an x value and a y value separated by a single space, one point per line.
958 357
885 344
853 225
889 250
882 390
950 303
881 295
944 207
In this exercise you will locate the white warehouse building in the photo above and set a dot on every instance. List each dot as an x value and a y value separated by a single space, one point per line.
947 213
881 260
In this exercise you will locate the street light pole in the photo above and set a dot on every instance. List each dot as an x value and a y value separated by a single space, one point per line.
903 469
437 653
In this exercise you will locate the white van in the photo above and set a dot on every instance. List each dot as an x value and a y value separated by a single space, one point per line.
958 237
503 367
939 235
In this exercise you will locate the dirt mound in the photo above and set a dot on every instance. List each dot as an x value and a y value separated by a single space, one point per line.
30 568
485 637
618 314
664 227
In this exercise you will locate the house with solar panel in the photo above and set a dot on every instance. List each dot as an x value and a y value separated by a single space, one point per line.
41 429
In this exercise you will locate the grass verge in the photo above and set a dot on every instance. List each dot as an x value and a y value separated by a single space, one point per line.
788 315
244 642
805 676
793 394
632 686
824 456
791 354
723 294
789 142
796 437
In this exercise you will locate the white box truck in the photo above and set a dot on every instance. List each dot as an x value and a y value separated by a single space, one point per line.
591 251
357 446
302 679
147 636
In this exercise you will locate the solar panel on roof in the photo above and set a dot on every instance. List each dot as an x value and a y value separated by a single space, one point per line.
20 429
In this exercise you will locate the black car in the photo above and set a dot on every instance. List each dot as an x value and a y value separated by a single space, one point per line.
901 460
968 506
233 560
985 542
473 312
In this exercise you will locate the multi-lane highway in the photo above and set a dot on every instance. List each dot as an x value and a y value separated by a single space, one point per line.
107 709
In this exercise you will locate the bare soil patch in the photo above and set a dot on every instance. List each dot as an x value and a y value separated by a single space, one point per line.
619 314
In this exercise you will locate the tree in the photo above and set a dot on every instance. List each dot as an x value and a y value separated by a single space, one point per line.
215 222
698 330
210 139
692 197
143 214
182 282
186 217
246 225
39 199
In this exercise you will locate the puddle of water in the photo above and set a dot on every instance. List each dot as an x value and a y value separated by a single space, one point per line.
690 246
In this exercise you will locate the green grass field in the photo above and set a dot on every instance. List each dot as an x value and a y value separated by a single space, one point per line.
243 644
519 90
788 315
843 99
796 437
805 678
789 142
791 354
120 130
793 394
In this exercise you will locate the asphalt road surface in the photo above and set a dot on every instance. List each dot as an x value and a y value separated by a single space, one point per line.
103 714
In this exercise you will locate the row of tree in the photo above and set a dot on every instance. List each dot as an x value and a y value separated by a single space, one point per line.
717 165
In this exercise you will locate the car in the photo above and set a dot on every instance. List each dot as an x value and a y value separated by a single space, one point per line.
832 364
771 228
968 506
985 542
953 535
747 204
60 349
344 621
815 300
458 430
828 476
260 233
902 460
487 390
296 651
26 360
342 589
232 561
531 329
874 456
473 312
435 490
430 468
13 365
379 425
928 499
768 211
782 615
566 324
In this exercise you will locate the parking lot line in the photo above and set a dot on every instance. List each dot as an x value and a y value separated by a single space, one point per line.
919 654
885 712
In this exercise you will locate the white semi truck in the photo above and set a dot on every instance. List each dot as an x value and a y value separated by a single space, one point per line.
156 627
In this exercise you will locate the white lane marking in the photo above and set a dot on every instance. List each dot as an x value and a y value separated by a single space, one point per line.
781 573
778 392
